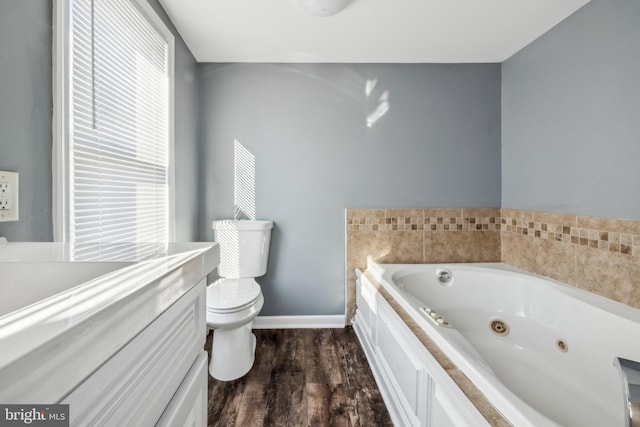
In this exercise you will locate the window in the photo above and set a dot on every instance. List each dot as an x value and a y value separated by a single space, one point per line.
114 123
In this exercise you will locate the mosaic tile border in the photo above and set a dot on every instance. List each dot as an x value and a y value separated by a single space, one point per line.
378 220
612 241
463 224
607 236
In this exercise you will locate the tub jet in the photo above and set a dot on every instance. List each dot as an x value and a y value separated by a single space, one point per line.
444 276
499 327
562 346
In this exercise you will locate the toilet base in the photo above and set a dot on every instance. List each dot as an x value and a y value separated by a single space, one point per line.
232 352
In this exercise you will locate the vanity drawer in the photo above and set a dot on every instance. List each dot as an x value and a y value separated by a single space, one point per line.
135 386
189 405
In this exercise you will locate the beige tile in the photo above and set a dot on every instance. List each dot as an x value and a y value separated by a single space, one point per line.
516 250
401 247
492 415
461 246
351 299
430 345
634 300
612 275
516 214
404 213
359 245
350 272
629 226
560 219
361 215
554 259
389 247
381 246
442 213
404 219
481 212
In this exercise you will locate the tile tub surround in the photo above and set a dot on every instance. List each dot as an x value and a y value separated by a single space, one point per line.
600 255
597 254
415 236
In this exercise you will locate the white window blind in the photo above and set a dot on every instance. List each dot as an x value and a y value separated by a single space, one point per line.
118 148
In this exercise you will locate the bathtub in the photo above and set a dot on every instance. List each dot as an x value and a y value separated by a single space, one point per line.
553 366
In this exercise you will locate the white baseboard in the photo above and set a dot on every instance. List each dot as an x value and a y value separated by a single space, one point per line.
298 322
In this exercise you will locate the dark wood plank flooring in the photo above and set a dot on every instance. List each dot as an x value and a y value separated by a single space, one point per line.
301 377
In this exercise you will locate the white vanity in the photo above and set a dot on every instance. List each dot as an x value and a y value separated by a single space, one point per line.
115 331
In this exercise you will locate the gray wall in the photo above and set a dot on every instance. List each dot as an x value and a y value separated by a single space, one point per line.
571 115
437 146
25 113
25 120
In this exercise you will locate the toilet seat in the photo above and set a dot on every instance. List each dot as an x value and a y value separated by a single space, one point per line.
228 295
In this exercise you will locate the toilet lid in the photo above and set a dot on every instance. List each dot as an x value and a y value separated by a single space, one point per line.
230 294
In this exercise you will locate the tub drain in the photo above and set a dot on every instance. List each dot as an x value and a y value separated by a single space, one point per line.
499 327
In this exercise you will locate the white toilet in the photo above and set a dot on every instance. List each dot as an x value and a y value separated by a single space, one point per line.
234 300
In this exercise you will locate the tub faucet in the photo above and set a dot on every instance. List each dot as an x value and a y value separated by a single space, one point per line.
630 375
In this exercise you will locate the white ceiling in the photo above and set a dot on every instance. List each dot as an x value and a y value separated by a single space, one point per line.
379 31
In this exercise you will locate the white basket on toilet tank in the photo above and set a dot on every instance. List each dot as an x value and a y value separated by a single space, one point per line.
234 300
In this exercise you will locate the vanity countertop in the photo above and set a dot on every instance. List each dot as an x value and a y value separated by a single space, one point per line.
93 252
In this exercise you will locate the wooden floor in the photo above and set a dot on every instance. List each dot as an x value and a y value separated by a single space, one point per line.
301 377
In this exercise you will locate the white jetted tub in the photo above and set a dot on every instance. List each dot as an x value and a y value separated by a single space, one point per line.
542 352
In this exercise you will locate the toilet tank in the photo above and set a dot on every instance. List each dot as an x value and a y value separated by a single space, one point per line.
244 247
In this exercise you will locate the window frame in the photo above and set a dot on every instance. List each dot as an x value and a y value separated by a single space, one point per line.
63 128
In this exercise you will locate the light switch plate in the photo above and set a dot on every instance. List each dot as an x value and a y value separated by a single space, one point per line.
8 196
